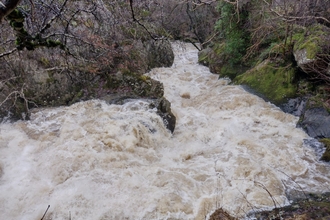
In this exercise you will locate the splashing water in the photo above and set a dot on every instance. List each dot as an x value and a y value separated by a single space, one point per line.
92 160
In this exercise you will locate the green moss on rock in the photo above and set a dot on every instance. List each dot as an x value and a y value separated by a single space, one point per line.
215 58
310 40
270 79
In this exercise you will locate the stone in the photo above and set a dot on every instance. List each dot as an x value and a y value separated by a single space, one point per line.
162 105
42 86
159 53
164 110
311 50
316 122
294 106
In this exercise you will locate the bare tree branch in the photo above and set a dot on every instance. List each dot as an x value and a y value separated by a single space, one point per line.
8 52
7 7
137 21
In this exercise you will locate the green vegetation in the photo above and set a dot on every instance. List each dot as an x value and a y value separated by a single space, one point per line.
24 39
309 39
270 79
235 37
259 46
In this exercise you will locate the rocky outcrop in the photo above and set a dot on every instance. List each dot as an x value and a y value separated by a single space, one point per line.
159 53
312 50
326 154
41 86
218 63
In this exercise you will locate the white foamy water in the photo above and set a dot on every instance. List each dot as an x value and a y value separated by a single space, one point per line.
97 161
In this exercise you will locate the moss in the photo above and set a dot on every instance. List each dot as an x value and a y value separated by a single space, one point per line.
309 39
229 71
326 154
144 78
215 58
203 57
270 79
44 62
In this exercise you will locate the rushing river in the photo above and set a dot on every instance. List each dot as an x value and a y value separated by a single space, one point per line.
91 160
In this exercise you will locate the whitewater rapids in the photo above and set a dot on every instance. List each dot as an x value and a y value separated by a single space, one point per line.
94 161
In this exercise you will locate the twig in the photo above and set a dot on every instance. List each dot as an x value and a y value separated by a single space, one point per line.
45 212
310 205
137 21
8 52
271 196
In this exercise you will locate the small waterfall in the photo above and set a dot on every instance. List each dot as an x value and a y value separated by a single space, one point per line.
98 161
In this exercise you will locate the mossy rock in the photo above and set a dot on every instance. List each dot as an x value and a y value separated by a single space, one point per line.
310 39
271 79
326 154
216 60
312 48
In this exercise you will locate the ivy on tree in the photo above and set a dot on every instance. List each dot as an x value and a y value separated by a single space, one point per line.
24 39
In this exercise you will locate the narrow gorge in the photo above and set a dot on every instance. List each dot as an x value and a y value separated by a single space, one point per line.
94 160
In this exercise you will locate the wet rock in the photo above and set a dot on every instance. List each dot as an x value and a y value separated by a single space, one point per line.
162 105
41 86
221 214
215 58
316 122
318 146
164 110
294 106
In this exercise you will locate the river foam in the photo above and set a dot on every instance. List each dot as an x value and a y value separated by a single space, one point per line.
92 160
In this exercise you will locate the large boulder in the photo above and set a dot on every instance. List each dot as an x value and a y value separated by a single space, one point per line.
159 53
215 58
312 50
271 78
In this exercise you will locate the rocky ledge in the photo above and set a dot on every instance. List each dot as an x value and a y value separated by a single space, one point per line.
53 87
